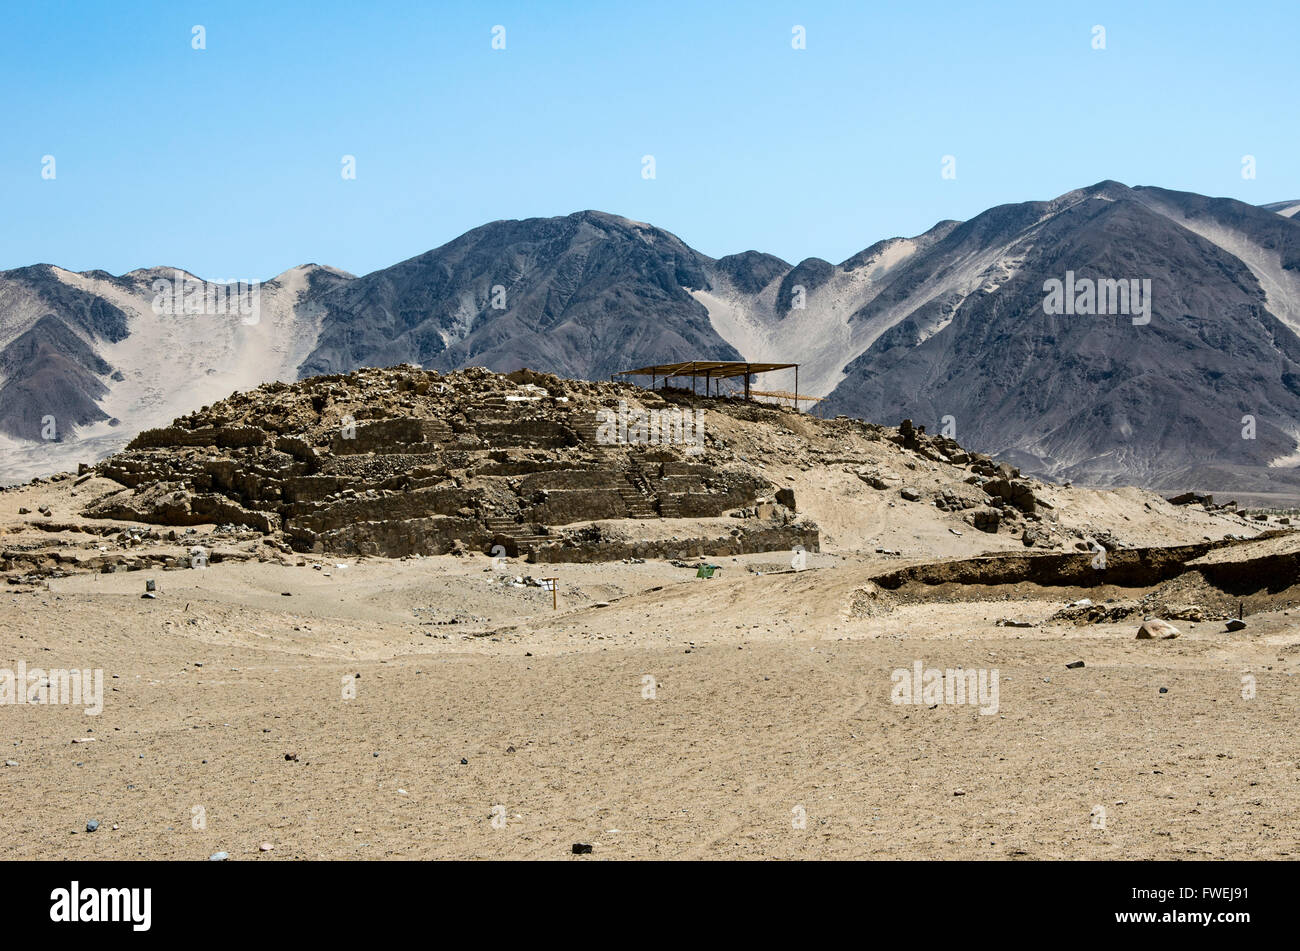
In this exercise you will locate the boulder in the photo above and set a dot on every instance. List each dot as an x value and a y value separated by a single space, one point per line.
1015 491
1022 497
998 488
1155 629
1035 535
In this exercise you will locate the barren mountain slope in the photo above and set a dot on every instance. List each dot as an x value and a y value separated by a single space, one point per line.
948 328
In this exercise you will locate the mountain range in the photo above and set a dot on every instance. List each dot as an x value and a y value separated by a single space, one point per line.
952 328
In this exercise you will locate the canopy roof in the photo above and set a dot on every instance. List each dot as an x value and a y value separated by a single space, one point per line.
709 368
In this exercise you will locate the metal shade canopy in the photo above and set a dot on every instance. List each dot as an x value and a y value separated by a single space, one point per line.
710 370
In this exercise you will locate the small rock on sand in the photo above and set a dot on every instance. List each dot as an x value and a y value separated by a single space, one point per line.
1153 629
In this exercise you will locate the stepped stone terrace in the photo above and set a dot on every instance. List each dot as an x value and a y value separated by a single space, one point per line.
403 461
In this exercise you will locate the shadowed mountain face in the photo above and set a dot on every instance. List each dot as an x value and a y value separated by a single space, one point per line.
1099 397
1199 387
582 296
51 375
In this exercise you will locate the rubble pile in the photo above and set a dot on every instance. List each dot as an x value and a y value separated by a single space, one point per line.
991 495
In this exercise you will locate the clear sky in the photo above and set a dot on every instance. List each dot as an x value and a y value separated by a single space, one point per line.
227 161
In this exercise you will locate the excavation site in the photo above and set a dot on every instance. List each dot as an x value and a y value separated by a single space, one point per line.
662 623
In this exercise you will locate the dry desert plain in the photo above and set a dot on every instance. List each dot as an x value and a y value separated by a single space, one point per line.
766 731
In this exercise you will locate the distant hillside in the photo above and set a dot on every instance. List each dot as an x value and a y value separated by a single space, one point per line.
949 328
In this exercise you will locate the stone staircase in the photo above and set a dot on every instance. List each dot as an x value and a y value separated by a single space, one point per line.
638 506
437 433
651 472
648 475
493 407
668 506
586 426
521 535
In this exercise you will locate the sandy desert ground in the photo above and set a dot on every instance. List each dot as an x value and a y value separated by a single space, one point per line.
769 731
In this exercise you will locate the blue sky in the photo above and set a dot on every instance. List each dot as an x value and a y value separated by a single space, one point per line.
227 161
